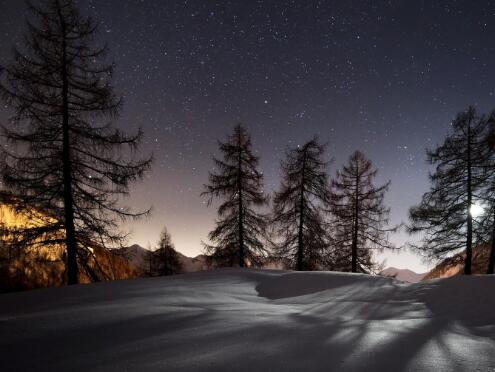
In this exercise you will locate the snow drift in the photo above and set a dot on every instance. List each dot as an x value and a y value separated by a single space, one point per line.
248 320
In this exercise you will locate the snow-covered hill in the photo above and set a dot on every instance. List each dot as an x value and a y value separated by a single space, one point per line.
248 320
404 275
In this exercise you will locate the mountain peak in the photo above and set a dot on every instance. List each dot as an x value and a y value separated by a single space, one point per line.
404 275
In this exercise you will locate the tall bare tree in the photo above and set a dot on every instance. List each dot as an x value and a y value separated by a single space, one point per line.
64 157
298 208
240 228
361 219
444 215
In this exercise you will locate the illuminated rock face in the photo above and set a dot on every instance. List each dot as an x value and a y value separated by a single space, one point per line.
455 265
43 265
8 217
11 220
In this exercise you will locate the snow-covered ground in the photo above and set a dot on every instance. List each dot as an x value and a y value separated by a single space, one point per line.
247 320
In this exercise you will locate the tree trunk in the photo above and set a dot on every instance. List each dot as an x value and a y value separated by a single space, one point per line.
356 225
150 257
241 211
70 235
469 235
300 237
491 262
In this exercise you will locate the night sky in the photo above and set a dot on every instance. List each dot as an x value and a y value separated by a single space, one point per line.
385 77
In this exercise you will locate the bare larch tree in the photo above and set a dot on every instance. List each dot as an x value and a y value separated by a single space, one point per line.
298 208
444 215
240 229
64 158
360 222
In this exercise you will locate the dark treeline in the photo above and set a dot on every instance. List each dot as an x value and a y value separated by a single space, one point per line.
337 224
65 168
315 223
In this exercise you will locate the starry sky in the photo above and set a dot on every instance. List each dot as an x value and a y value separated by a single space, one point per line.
384 77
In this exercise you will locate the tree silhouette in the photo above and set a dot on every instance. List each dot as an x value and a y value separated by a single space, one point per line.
237 181
298 212
166 258
444 214
360 217
64 157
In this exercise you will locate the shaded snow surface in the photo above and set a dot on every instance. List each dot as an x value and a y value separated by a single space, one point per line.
247 320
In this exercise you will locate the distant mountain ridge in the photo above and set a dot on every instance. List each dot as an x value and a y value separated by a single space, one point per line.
136 257
404 275
135 254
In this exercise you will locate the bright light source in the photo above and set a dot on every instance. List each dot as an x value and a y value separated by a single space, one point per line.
476 210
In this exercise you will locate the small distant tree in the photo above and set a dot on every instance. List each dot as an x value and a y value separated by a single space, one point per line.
64 158
237 237
165 257
444 215
298 208
361 219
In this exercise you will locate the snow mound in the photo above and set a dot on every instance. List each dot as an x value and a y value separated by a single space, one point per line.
248 320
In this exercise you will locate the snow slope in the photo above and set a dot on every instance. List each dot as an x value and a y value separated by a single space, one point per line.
404 275
248 320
